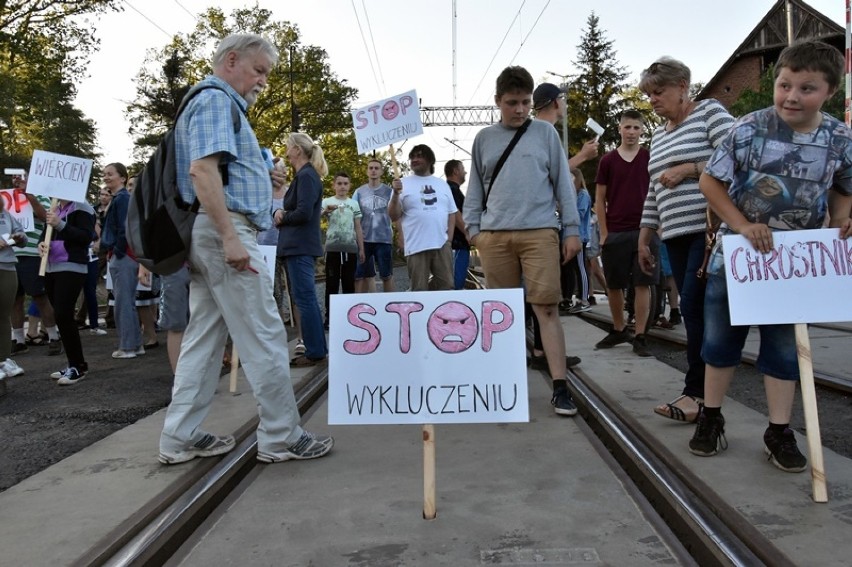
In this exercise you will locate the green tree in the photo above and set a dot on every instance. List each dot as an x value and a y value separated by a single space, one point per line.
595 91
44 47
303 77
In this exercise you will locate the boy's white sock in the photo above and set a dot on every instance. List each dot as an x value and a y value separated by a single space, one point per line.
18 335
52 333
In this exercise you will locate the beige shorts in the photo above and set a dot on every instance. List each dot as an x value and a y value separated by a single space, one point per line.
507 255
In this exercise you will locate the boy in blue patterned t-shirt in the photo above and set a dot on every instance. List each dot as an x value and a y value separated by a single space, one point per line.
780 168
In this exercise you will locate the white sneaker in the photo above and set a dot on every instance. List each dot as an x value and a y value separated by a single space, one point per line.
140 351
97 331
124 354
10 368
300 348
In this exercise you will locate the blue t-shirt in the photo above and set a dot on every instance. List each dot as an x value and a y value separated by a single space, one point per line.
780 177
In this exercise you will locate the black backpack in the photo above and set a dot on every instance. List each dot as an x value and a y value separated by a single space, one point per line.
159 222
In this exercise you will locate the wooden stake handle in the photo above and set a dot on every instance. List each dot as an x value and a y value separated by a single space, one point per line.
235 365
809 404
429 511
48 235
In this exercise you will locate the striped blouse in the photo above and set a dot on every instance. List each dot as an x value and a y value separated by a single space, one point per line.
681 210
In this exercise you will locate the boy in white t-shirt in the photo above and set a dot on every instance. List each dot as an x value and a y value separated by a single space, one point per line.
344 241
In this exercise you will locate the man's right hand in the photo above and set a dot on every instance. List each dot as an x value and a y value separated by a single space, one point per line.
397 185
236 254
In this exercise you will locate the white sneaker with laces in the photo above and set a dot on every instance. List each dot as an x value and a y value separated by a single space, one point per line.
10 368
97 331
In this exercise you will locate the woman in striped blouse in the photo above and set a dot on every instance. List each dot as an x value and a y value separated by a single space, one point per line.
676 208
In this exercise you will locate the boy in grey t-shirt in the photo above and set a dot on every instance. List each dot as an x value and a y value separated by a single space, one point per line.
517 230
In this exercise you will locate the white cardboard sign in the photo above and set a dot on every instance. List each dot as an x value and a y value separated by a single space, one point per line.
804 279
427 357
269 251
387 121
59 176
19 207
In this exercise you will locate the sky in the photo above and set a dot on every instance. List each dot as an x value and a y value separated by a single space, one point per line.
411 47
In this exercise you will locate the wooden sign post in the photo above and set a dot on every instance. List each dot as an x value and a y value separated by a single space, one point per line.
809 405
48 235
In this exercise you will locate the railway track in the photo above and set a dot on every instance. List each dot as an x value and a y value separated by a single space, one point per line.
822 377
711 531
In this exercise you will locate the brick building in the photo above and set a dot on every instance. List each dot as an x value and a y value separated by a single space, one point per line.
761 48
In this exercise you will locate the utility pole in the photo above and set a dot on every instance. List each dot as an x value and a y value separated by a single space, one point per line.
564 85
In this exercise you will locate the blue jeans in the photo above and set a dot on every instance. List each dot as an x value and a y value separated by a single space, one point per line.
90 293
461 259
303 288
723 342
686 253
123 272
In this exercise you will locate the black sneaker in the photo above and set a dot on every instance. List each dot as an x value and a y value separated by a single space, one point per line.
783 451
614 338
674 317
70 376
709 438
54 348
19 348
640 347
562 403
540 362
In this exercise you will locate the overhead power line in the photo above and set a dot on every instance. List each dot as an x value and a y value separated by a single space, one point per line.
375 51
153 23
367 49
499 47
523 41
187 11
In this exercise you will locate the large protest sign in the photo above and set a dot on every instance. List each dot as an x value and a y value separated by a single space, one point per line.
59 176
19 207
387 121
428 357
802 280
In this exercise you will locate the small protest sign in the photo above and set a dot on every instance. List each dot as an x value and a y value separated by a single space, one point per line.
19 207
59 176
802 279
387 121
429 357
592 125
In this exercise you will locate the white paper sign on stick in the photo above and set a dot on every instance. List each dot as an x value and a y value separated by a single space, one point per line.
594 127
428 357
387 121
19 207
804 279
59 176
269 252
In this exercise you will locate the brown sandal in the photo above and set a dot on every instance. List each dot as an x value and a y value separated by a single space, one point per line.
677 413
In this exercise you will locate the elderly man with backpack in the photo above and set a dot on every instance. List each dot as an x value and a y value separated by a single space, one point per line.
224 170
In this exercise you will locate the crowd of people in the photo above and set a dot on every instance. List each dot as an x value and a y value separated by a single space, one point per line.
526 210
